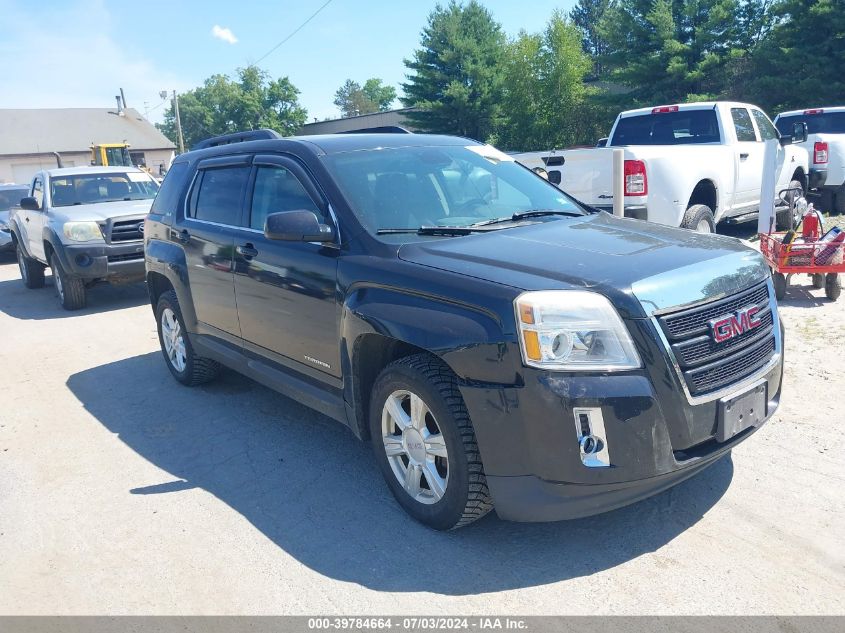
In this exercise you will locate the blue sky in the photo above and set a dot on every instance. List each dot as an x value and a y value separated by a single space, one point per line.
78 53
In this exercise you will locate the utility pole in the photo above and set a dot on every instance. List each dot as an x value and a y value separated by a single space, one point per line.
178 123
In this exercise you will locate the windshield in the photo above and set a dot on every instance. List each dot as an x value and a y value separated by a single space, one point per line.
827 122
411 187
687 127
66 191
11 198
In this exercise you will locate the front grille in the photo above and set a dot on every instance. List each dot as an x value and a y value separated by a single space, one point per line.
695 320
708 366
127 230
128 257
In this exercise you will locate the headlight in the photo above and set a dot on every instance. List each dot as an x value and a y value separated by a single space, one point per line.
82 231
573 330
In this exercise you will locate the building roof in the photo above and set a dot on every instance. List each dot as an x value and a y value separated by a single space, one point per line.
41 131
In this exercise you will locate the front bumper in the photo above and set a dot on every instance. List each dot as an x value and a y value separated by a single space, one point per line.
655 436
116 263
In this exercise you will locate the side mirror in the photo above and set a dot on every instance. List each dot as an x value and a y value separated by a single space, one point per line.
602 142
30 204
799 134
296 226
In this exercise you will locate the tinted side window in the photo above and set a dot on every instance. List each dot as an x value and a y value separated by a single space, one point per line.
219 195
767 130
743 125
276 190
166 201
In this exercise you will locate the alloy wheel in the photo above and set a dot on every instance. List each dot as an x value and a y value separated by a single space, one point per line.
415 447
174 342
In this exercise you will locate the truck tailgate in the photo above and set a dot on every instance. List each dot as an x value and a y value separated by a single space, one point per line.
586 175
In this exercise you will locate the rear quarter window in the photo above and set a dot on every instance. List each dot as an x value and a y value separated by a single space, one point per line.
167 199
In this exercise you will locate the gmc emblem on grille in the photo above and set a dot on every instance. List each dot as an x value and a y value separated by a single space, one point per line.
740 322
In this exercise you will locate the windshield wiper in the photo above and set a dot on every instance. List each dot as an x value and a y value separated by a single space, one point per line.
521 215
432 230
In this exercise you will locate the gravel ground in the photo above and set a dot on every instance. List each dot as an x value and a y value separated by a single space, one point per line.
122 492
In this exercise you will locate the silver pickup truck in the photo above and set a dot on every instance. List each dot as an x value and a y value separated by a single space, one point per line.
86 224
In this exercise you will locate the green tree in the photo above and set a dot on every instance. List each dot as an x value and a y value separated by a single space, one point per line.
587 15
801 61
455 79
352 99
672 50
221 105
545 99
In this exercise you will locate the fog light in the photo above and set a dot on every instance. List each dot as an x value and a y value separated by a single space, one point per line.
83 260
592 438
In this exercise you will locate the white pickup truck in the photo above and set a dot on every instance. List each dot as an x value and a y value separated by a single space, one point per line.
826 145
689 165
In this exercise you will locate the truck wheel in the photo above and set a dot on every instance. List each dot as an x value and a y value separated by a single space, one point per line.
832 287
32 272
785 219
425 444
70 290
839 201
818 280
779 281
183 363
699 218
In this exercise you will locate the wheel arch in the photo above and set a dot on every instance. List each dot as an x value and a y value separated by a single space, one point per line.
705 192
469 341
801 177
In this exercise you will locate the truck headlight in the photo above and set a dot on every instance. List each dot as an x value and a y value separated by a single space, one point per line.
573 330
82 231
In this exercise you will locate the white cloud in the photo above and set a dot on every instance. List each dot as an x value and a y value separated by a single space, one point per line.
224 33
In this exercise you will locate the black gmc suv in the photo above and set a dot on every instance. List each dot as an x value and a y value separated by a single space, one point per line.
499 343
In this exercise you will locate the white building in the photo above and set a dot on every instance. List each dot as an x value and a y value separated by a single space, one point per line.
28 139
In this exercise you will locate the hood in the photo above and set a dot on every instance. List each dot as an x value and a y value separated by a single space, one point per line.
641 267
103 211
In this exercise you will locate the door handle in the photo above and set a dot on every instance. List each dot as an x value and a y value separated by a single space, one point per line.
247 251
184 236
743 156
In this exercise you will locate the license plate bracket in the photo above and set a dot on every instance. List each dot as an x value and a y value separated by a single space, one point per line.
740 412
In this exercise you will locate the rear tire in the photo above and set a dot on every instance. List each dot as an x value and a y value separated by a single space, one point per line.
179 355
832 286
32 272
699 218
789 220
70 290
425 445
839 201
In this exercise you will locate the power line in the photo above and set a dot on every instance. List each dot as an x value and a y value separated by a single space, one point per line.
294 32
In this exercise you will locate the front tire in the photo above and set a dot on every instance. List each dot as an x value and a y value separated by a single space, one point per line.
779 281
699 218
182 361
32 272
425 444
70 290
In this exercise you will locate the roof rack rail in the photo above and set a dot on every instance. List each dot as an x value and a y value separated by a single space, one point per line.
238 137
383 129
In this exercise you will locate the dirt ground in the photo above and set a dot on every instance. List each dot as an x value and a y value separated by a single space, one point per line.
122 492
